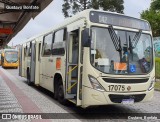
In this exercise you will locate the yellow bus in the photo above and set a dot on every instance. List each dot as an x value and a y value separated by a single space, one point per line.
9 58
93 58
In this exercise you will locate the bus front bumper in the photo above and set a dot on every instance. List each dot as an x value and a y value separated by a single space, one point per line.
10 65
92 97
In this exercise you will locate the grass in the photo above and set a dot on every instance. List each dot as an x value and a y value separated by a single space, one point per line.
157 60
157 85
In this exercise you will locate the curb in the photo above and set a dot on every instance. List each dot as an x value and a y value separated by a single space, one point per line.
157 90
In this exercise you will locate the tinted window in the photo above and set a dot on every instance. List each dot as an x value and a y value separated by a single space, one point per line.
59 36
47 44
39 51
28 50
59 44
24 51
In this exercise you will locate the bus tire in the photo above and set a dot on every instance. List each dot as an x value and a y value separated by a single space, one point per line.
55 91
61 98
28 79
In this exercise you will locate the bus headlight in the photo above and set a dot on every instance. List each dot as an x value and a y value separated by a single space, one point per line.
151 84
95 84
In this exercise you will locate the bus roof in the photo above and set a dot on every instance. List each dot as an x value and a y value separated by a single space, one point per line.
83 14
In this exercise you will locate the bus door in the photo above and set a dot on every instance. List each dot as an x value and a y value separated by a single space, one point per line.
33 63
73 66
27 58
46 62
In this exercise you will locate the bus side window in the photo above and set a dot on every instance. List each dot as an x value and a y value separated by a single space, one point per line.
47 42
34 59
39 53
24 52
74 47
29 51
59 42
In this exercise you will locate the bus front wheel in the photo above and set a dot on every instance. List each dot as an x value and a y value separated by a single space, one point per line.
61 98
55 91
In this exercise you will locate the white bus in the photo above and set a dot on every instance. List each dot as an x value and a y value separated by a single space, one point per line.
93 58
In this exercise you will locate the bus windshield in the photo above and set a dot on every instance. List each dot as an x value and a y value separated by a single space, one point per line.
11 56
121 52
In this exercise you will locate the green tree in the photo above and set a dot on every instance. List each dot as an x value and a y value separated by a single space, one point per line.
71 7
155 5
153 16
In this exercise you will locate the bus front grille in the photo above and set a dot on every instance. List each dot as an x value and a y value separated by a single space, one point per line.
118 98
109 80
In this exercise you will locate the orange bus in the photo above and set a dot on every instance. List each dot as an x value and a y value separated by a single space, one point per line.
9 58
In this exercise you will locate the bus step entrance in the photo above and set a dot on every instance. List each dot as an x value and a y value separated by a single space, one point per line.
71 89
73 100
70 96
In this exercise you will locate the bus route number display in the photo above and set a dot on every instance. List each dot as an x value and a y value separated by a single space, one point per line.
118 20
11 53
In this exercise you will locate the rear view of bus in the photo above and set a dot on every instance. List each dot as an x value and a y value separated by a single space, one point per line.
10 58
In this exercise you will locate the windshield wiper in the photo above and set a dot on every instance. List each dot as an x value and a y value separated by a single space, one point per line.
116 41
130 47
136 39
133 43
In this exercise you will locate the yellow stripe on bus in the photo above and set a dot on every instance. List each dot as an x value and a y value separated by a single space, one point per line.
72 69
71 86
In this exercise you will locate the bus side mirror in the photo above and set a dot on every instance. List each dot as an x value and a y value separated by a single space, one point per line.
86 41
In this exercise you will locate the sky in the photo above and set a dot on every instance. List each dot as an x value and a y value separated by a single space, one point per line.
52 15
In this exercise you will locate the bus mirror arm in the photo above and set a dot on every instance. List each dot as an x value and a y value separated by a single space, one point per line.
86 40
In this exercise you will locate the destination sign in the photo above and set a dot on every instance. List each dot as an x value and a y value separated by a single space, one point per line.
118 20
12 52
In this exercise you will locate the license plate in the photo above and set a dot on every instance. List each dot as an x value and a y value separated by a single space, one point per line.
127 101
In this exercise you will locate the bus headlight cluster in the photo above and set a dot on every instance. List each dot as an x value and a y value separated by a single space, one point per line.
95 84
151 84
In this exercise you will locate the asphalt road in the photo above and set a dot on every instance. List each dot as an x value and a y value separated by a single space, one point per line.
44 100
